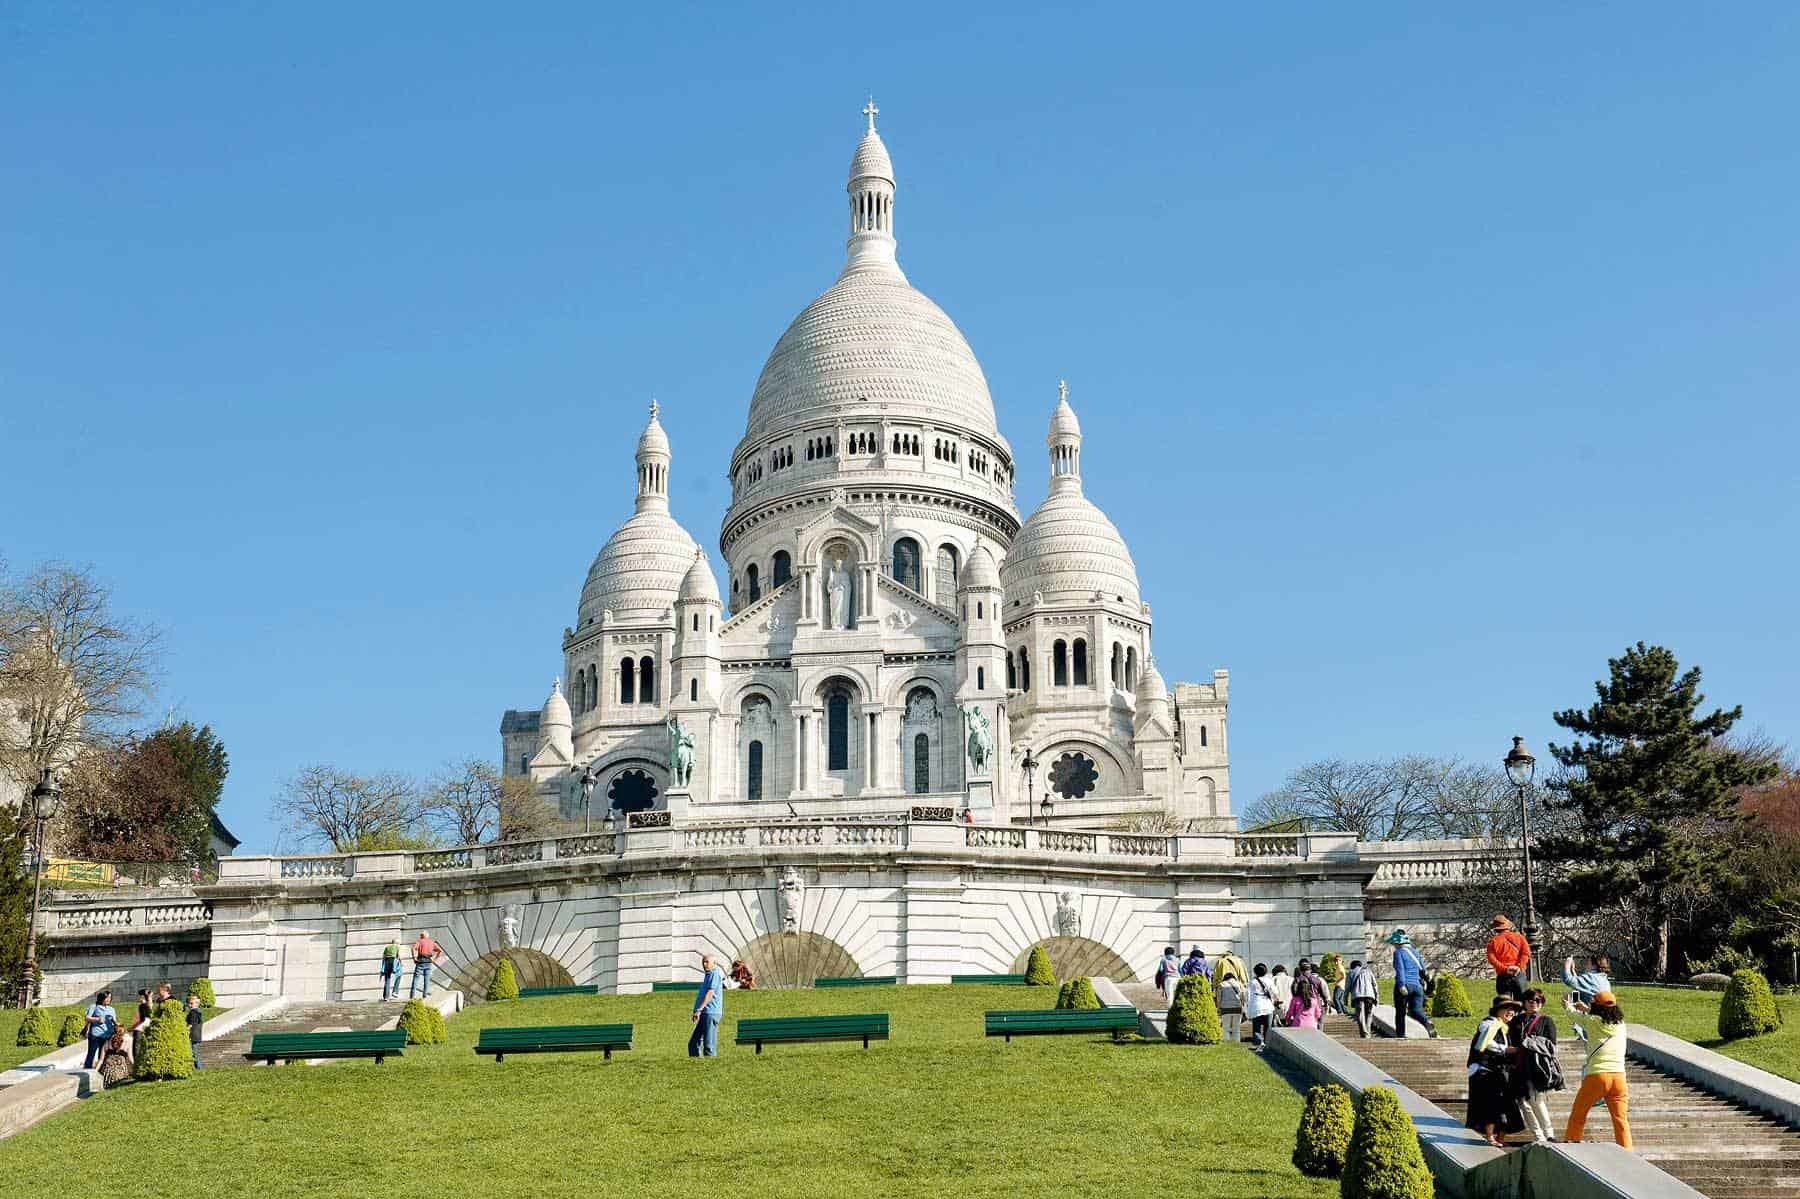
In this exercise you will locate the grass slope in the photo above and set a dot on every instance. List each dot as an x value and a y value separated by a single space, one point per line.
937 1110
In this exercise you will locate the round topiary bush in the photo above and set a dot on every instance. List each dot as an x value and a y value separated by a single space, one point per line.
423 1023
165 1052
1748 1007
1709 981
1062 996
38 1027
1037 969
1384 1160
204 989
74 1028
1450 998
506 983
1323 1139
1082 997
1194 1017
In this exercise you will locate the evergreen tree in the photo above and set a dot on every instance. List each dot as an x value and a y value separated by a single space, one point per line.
1646 791
1037 969
1193 1017
202 763
15 899
166 1051
505 984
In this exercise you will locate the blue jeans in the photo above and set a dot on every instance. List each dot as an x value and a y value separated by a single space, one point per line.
198 1064
1409 1000
390 981
706 1036
421 973
96 1052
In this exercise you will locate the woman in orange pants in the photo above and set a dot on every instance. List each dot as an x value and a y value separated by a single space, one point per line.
1603 1074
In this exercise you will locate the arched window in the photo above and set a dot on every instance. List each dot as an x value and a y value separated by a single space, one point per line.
755 583
693 690
1059 664
921 764
1131 669
1012 674
580 691
647 680
627 681
593 687
1025 670
945 583
906 562
524 763
837 730
1202 736
782 570
753 787
981 678
1118 662
1081 673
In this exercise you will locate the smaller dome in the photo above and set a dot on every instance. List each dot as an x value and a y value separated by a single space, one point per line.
1068 552
653 440
556 709
698 583
1151 688
871 159
981 571
1063 422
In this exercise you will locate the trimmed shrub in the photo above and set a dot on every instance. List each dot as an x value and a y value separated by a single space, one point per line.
1748 1008
74 1028
1323 1139
1194 1017
423 1023
204 989
1331 968
1082 997
1710 981
37 1028
165 1051
1384 1160
506 983
1062 996
1450 998
1037 969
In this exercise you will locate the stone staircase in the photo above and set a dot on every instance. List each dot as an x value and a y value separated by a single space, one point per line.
1716 1146
360 1016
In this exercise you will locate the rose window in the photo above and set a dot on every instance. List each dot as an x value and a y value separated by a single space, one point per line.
1073 776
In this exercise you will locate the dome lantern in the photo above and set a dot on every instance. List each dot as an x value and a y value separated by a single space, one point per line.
871 189
653 465
1064 441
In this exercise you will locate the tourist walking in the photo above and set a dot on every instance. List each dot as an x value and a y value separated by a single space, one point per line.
196 1024
1409 984
1363 992
426 954
1509 954
1307 1007
1310 973
1493 1110
1590 982
1603 1073
709 1008
101 1023
1282 983
1231 1004
1196 963
1535 1069
1259 1005
1168 973
390 970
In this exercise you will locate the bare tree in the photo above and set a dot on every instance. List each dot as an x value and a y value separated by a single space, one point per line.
1395 799
523 813
347 812
72 672
464 801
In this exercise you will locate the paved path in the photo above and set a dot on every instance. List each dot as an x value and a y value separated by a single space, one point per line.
229 1049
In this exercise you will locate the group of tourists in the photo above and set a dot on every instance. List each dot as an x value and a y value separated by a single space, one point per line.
426 954
1261 995
113 1048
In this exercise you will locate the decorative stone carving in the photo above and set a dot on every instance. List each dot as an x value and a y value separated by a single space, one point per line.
1068 914
980 740
681 752
921 705
509 927
790 891
900 620
837 597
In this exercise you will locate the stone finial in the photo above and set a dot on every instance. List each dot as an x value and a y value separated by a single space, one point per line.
870 111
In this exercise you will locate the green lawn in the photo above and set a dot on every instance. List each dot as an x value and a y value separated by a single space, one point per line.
1690 1015
937 1110
12 1053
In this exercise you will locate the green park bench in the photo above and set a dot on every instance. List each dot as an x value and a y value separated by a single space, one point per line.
796 1029
1050 1021
272 1047
992 980
654 987
560 1038
541 992
870 980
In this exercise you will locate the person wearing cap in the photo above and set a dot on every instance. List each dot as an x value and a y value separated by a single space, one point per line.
1603 1072
1409 984
1493 1110
1509 954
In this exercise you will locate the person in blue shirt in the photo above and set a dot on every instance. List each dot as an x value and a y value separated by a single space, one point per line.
709 1007
1590 982
1409 985
102 1022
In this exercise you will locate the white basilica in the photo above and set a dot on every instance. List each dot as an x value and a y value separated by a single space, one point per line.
891 630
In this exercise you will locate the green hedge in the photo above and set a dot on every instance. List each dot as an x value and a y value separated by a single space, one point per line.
506 983
74 1028
1323 1139
1082 997
1193 1016
1384 1161
37 1027
423 1023
1037 969
204 989
1748 1007
1450 998
1062 996
165 1052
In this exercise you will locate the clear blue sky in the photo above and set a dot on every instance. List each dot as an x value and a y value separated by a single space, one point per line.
1426 357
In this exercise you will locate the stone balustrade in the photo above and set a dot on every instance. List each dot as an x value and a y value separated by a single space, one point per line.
117 913
1428 865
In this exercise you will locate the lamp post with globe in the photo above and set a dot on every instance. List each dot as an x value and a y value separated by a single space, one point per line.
1029 766
45 798
1521 768
587 799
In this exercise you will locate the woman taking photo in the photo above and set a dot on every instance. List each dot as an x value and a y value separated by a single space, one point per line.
1492 1111
1603 1073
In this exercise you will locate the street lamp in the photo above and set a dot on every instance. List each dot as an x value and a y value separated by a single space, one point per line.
587 798
1029 765
44 800
1521 767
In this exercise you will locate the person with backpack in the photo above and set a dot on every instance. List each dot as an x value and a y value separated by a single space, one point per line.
390 970
1492 1110
1168 973
1409 985
1231 1004
102 1022
1535 1069
1259 1005
1363 990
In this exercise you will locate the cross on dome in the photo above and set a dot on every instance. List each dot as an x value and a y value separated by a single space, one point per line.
1062 390
870 111
654 409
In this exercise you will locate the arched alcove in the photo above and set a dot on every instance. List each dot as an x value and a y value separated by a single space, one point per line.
795 959
534 969
1072 957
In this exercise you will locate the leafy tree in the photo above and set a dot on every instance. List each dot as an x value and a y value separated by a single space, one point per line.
1193 1016
1323 1139
1651 792
464 802
1038 972
15 898
131 804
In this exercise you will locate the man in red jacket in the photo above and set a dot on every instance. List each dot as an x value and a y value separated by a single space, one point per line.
1509 954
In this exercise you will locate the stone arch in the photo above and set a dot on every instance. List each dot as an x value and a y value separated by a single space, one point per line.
534 968
779 960
1072 957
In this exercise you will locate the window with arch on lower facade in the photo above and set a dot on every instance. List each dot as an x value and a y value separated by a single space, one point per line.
1012 674
906 563
921 764
837 730
627 681
1059 664
1073 775
781 569
1081 671
753 782
646 680
632 791
580 691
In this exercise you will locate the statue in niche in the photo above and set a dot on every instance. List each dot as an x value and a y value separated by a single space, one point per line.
790 890
1068 914
509 927
837 597
681 752
981 741
921 706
